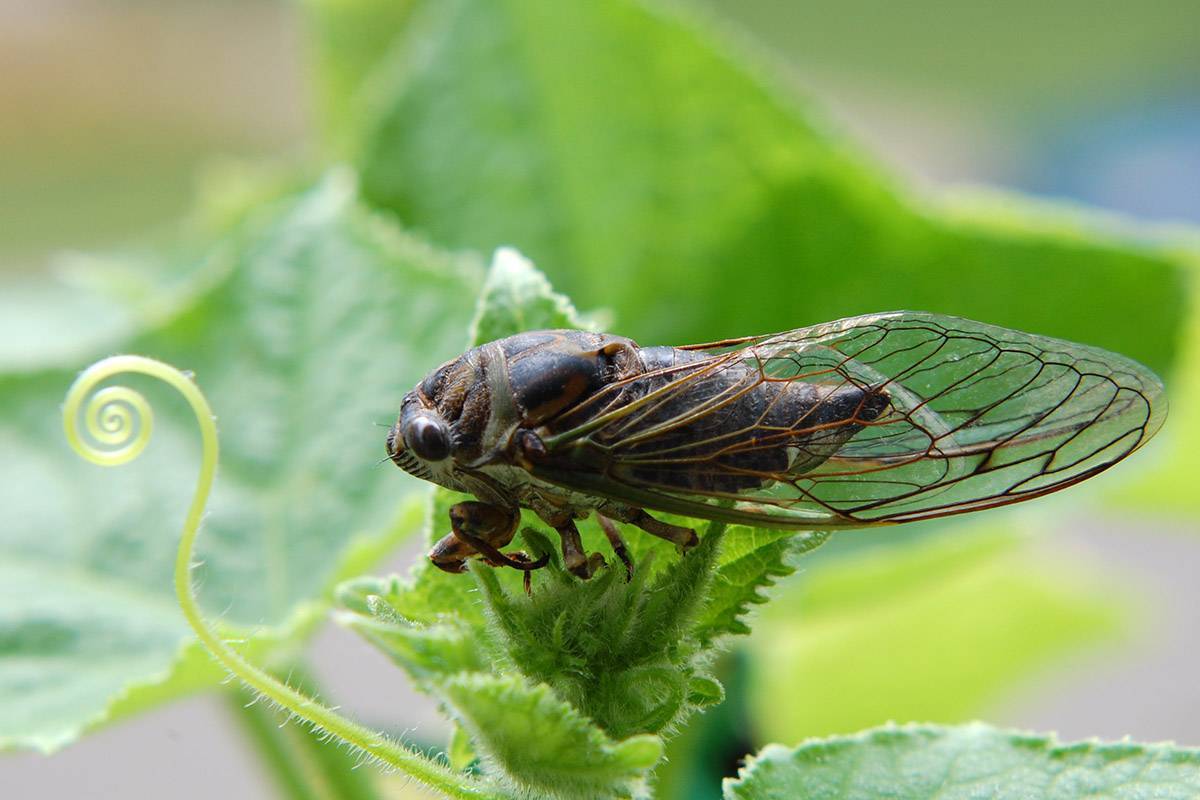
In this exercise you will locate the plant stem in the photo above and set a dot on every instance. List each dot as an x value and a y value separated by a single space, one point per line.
304 767
276 752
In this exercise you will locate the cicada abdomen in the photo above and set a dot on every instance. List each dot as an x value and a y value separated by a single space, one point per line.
730 431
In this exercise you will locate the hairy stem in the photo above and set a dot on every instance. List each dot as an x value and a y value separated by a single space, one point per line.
118 422
303 766
273 745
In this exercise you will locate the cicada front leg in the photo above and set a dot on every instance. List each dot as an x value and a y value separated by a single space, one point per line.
482 528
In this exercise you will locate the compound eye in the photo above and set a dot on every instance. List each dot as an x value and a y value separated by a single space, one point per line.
428 438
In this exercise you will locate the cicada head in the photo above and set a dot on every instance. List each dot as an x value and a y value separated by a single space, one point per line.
420 441
441 424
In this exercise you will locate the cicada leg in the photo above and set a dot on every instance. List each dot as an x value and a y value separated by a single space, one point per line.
683 538
451 553
481 528
618 544
577 562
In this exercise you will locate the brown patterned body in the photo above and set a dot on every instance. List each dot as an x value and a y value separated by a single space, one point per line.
865 421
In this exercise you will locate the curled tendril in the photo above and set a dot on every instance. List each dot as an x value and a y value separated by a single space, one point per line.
118 421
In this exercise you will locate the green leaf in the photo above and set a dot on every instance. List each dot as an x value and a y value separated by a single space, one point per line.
933 629
540 741
1166 484
516 297
351 38
460 752
316 318
639 161
621 652
705 691
963 763
43 322
751 559
444 648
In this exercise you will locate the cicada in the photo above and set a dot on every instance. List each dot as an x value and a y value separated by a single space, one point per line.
867 421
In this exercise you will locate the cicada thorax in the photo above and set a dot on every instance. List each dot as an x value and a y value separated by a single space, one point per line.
549 372
492 394
721 427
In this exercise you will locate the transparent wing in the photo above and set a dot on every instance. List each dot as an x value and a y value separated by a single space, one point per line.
864 421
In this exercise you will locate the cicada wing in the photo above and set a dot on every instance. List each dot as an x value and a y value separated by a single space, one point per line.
863 421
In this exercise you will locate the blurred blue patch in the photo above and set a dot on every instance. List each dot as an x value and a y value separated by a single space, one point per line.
1142 159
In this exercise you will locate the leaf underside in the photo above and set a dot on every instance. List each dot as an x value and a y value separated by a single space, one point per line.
317 316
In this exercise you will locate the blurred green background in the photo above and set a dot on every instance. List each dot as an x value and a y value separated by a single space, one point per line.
652 179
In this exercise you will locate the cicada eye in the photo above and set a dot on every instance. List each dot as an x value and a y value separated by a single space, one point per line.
428 438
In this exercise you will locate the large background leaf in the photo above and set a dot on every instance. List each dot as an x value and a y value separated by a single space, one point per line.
320 318
644 170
